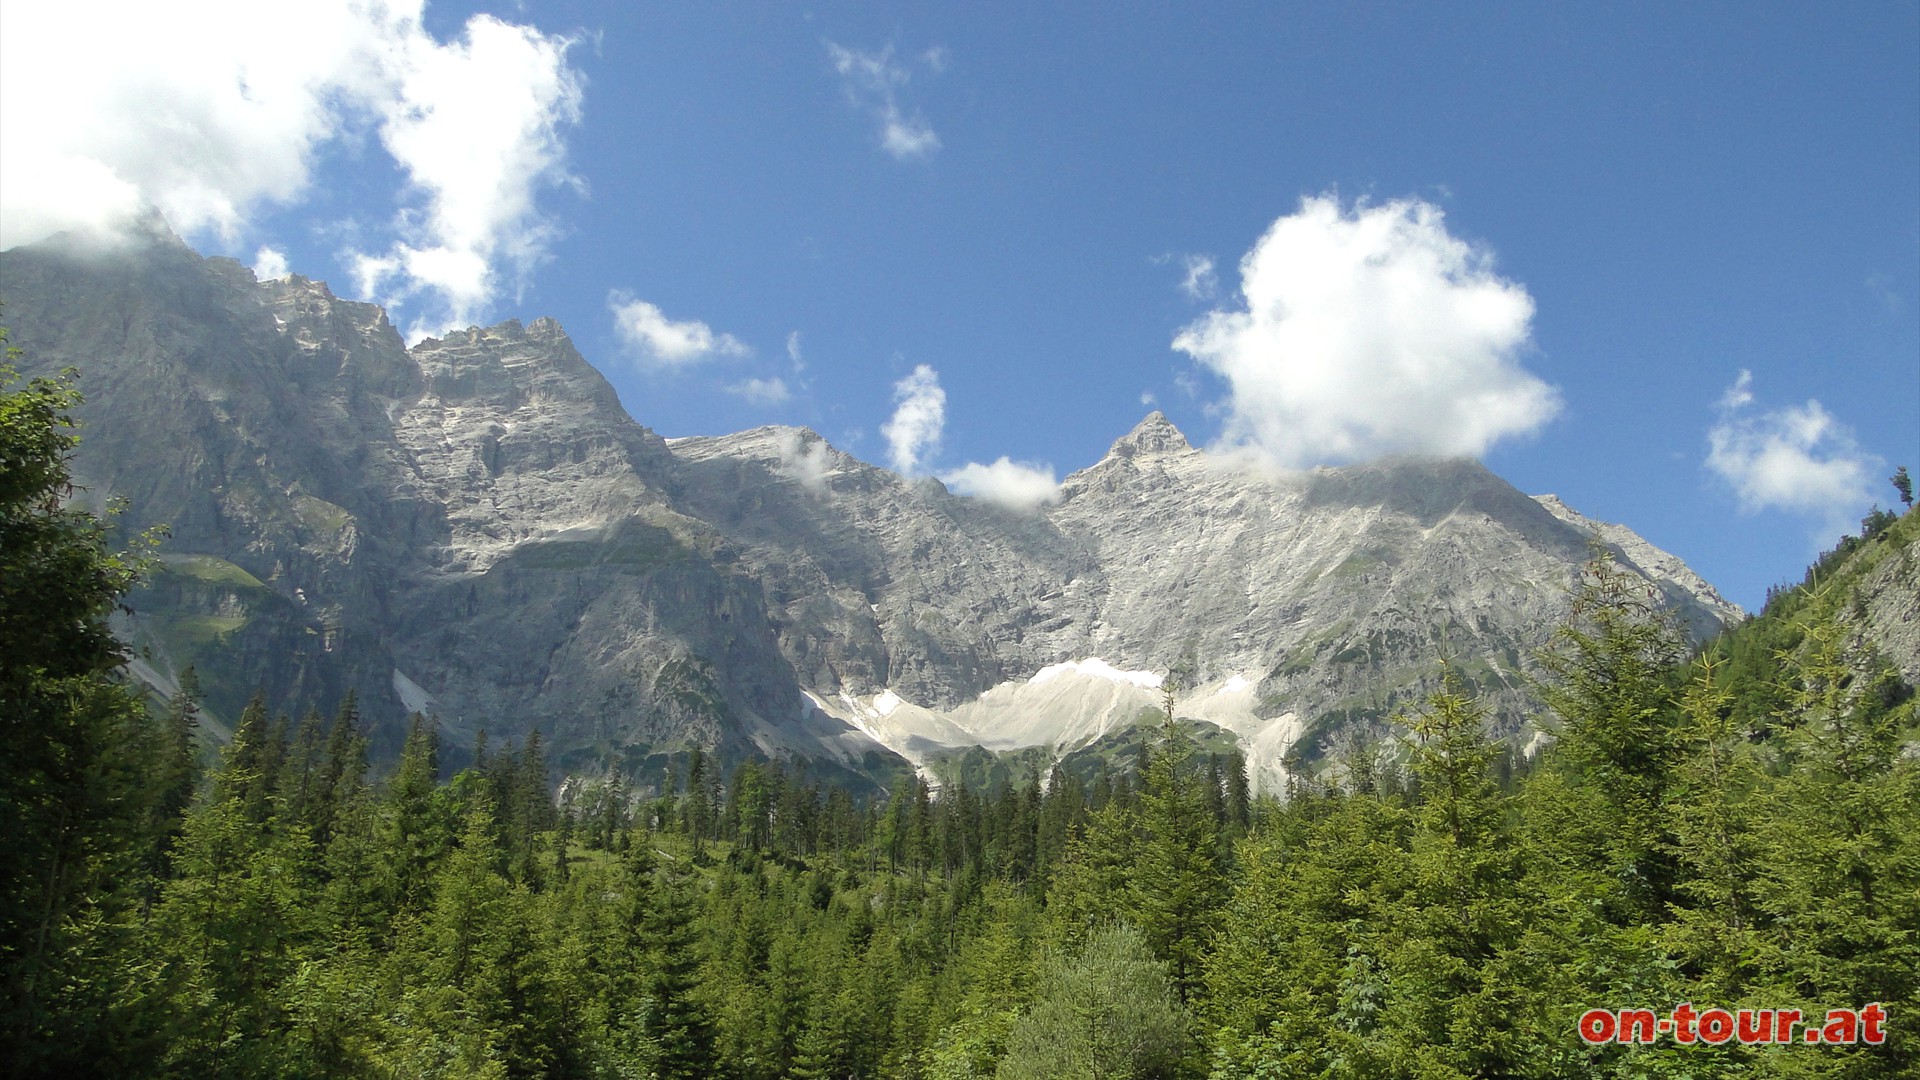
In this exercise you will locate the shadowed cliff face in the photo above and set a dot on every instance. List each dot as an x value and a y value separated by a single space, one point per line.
474 527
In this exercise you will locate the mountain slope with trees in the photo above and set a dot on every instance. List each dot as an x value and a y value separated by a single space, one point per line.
1732 828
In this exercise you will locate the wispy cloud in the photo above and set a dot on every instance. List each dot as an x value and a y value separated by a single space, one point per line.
1369 330
661 342
913 435
762 391
269 264
874 82
1017 485
1198 280
807 459
1880 287
919 418
477 127
1798 459
212 115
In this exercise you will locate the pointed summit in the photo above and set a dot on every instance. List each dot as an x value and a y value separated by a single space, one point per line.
1153 435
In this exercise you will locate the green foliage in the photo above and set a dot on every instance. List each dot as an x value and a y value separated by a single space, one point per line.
1178 884
1110 1011
1611 684
82 813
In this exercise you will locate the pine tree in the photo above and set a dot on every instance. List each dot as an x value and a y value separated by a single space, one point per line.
247 774
1239 795
1178 885
697 810
342 770
303 767
1714 838
1840 870
414 831
676 1023
178 773
459 1021
1610 683
233 925
1447 988
83 802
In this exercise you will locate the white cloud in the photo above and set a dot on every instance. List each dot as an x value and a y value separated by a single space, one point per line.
794 354
1017 485
808 461
477 128
203 113
1740 394
210 112
913 436
919 417
659 341
269 264
1798 459
1367 331
906 136
873 81
762 391
1200 282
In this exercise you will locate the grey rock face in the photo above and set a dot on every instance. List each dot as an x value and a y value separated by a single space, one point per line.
1336 592
879 582
475 527
1888 612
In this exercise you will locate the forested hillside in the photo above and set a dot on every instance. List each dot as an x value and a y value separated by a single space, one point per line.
1734 829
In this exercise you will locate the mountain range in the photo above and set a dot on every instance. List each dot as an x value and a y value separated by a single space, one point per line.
474 528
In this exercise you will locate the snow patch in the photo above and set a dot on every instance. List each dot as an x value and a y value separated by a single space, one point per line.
1099 669
895 723
1067 706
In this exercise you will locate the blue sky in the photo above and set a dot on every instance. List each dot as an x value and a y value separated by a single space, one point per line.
1663 261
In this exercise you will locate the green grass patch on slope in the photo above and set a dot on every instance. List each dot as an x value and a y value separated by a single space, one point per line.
210 570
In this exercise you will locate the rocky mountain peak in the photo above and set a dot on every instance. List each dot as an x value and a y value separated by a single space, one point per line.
1153 435
475 525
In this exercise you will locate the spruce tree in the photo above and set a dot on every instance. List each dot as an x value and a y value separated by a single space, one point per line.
414 831
1178 883
676 1023
178 773
1611 684
1840 871
1715 838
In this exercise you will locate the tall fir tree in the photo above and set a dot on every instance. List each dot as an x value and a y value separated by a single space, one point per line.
1610 681
1178 884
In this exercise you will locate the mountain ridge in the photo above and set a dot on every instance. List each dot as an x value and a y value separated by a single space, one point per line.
475 524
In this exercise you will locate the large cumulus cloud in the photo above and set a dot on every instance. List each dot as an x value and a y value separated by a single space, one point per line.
1366 330
212 110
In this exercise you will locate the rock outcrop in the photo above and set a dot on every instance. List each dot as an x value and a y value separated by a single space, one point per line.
475 528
